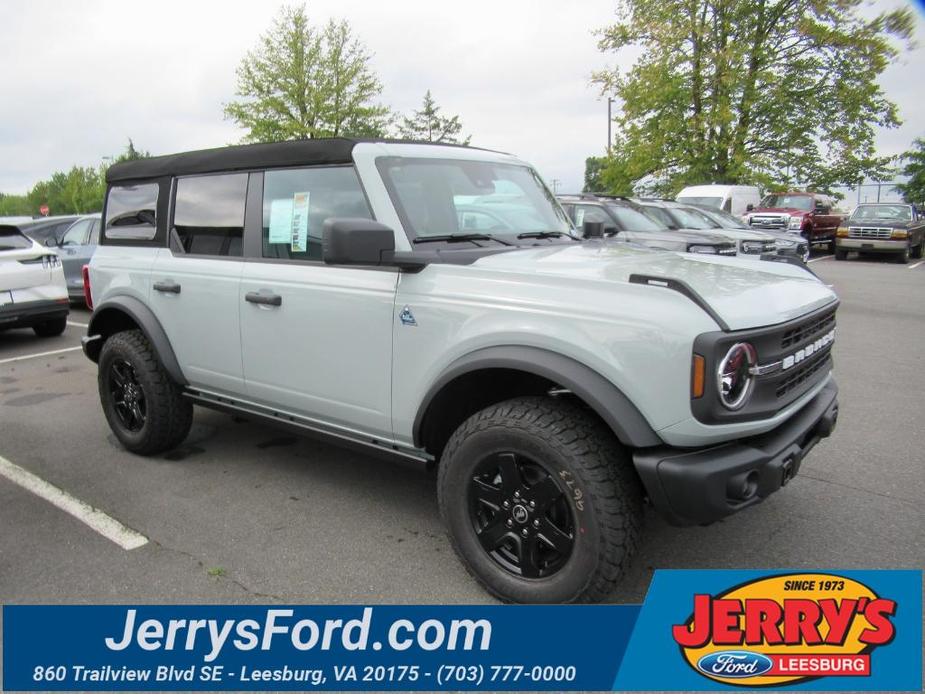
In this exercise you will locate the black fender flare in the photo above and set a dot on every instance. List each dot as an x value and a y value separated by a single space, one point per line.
602 396
147 322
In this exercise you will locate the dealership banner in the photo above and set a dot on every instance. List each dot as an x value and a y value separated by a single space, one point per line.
697 630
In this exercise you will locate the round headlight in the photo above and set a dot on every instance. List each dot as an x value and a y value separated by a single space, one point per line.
734 378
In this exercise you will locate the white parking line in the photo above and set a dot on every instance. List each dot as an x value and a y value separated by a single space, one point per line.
814 260
107 526
914 265
39 354
78 325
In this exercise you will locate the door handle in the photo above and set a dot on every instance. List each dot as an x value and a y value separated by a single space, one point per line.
167 286
266 299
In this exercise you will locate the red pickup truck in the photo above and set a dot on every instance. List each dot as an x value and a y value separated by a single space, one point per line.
811 215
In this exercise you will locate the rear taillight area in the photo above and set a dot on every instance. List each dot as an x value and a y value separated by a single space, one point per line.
85 272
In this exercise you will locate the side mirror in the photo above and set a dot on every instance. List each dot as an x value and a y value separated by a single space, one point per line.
749 207
50 242
610 230
593 230
358 241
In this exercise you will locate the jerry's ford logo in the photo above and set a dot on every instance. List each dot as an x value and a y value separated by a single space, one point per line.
785 629
734 664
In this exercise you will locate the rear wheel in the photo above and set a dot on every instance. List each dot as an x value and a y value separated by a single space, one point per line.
144 407
50 328
540 501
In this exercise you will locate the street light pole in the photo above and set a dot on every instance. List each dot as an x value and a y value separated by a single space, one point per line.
609 123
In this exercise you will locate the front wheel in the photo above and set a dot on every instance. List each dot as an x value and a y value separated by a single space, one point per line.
540 501
903 256
841 254
145 409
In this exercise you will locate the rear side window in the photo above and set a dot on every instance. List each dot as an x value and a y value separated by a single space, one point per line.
208 214
11 239
131 212
297 201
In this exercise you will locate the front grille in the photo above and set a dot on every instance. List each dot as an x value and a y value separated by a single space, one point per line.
769 221
870 232
803 374
811 329
757 247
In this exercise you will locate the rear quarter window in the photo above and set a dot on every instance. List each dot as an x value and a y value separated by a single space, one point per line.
131 212
11 239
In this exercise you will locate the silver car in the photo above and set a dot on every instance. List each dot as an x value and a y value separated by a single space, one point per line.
75 250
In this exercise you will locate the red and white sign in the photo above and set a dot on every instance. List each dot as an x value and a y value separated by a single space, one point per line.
43 210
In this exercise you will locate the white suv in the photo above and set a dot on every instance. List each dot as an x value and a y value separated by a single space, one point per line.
33 293
435 303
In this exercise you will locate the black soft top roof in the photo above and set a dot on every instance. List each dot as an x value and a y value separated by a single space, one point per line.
335 150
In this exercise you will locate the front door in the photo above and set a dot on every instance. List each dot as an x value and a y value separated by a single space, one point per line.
316 339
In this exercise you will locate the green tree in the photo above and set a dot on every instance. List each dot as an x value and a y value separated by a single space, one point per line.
303 82
913 190
594 167
749 91
428 125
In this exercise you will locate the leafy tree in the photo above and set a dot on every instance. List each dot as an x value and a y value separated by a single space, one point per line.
302 82
594 167
749 91
429 126
913 190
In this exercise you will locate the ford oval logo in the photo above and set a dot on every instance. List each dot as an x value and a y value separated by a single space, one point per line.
734 664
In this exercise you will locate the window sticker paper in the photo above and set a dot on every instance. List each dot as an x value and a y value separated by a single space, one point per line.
281 221
300 203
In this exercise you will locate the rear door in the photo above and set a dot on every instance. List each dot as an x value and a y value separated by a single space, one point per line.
194 282
316 339
75 252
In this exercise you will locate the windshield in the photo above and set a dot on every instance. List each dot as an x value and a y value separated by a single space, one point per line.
679 218
633 220
437 197
900 213
700 200
796 202
11 239
724 219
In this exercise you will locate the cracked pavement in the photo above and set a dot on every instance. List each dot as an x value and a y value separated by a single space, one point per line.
243 512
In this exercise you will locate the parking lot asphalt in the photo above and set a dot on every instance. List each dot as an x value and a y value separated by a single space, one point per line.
243 512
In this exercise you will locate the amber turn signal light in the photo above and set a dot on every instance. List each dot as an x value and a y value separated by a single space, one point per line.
698 370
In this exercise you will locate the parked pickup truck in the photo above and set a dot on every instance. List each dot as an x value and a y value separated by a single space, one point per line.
811 215
337 287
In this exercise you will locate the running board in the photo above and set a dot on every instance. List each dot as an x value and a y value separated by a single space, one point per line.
305 425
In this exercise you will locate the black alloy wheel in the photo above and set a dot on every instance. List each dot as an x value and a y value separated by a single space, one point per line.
128 396
520 515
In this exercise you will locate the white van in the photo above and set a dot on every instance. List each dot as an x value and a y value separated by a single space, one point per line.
732 199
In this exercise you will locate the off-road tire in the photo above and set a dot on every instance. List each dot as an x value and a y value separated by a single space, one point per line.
841 254
169 415
50 328
605 496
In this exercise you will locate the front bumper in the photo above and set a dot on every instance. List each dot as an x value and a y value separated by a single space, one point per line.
691 487
871 245
26 314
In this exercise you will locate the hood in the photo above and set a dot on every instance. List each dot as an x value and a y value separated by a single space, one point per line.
745 234
673 239
892 223
744 293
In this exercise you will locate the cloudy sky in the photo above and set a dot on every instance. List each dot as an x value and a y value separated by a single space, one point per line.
80 78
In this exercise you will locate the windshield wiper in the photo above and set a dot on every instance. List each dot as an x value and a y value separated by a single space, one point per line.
544 235
453 238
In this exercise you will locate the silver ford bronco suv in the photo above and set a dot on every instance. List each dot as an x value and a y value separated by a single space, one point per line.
435 303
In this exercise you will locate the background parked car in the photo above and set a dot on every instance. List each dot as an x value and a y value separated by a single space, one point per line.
732 199
623 220
32 291
812 215
46 230
882 228
75 249
786 243
686 217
